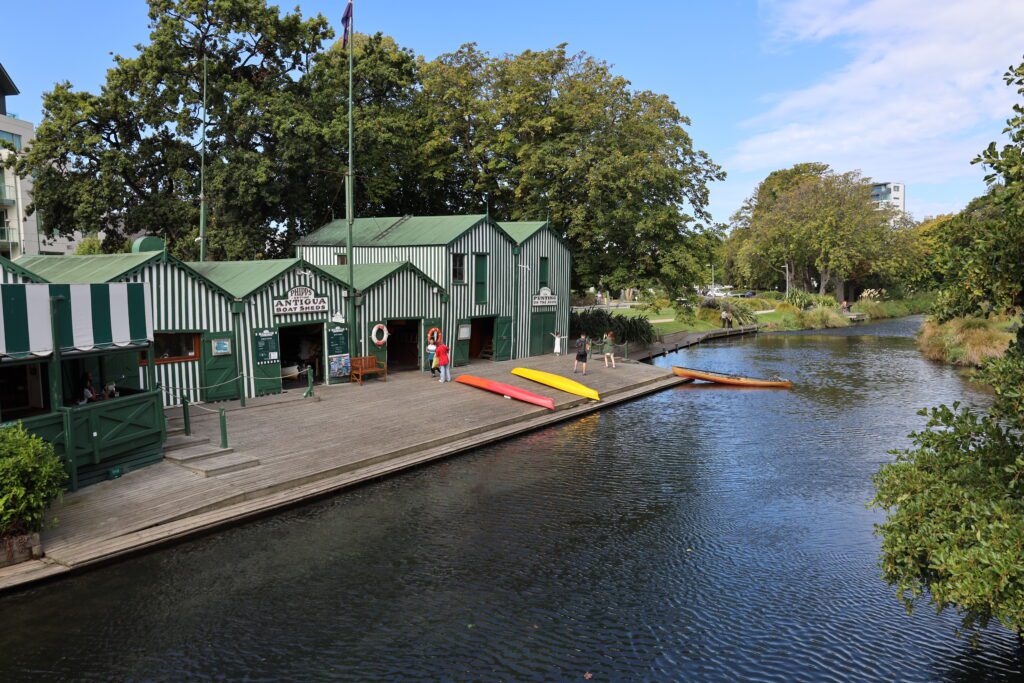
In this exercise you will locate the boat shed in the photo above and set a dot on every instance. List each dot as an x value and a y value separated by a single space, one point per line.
190 313
11 273
401 297
544 296
470 257
69 372
287 317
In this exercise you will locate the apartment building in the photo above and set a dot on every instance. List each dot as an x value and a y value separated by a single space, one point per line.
892 195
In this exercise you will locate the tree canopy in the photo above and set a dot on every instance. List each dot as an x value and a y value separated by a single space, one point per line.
545 133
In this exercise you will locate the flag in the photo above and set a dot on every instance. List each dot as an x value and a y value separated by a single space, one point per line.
346 21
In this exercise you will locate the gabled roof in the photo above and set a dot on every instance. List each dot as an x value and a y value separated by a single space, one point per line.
7 86
367 275
394 231
12 267
242 278
520 231
90 269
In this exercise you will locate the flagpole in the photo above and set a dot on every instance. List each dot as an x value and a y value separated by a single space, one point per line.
349 189
202 174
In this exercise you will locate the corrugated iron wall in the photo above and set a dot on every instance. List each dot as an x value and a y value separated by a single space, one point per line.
543 243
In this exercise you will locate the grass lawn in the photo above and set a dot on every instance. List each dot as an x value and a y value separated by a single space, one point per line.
679 326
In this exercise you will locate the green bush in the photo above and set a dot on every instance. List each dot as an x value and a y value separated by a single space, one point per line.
742 312
772 295
627 329
821 317
804 300
31 477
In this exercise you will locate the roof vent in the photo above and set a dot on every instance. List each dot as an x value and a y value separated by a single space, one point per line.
147 243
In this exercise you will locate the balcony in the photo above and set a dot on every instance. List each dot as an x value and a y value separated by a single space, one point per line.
7 194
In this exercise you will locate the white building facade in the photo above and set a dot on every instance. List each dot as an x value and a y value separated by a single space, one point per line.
892 195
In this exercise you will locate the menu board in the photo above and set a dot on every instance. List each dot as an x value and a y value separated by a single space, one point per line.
265 348
337 340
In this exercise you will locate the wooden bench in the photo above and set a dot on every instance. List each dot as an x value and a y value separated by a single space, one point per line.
367 365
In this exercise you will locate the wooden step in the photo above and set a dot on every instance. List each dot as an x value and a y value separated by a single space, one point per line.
174 431
181 456
177 441
221 463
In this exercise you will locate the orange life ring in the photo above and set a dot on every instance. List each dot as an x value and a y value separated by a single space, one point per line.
384 338
433 335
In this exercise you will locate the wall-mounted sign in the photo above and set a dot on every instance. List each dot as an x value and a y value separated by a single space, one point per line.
300 299
545 298
465 331
221 347
265 347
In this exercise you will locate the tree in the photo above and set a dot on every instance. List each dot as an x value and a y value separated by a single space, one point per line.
954 531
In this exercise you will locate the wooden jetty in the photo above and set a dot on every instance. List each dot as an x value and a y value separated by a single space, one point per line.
672 342
286 450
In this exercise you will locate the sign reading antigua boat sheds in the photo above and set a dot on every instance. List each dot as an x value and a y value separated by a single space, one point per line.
545 298
300 300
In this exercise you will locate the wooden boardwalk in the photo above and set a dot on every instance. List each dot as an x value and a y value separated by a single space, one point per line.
308 448
674 341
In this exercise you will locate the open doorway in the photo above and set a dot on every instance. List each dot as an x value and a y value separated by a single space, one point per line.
481 342
403 345
301 348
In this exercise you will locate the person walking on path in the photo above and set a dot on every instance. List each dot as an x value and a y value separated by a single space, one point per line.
728 319
442 362
608 348
431 355
558 342
582 348
725 318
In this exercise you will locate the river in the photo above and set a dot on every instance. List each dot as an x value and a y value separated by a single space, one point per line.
700 533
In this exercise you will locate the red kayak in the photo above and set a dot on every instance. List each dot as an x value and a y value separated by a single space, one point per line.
507 390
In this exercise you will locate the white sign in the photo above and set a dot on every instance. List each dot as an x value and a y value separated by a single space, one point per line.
545 298
465 331
300 300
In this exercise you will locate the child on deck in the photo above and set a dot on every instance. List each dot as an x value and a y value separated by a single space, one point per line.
558 342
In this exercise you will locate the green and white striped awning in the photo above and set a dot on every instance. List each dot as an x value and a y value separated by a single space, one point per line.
87 318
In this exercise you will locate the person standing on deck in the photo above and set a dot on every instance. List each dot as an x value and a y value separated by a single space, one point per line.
442 362
582 348
608 348
431 353
558 342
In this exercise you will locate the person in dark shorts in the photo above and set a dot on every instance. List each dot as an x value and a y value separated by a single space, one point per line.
582 349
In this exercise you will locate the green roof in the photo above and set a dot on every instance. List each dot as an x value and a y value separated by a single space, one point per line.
520 231
367 275
91 269
242 278
12 267
394 231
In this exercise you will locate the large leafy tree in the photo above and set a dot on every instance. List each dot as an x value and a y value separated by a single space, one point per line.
954 533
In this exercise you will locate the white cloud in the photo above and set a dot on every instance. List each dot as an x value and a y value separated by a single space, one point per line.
921 95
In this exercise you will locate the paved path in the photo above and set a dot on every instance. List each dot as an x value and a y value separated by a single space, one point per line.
308 448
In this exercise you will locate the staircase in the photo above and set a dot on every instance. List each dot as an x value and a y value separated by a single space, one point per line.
487 353
197 454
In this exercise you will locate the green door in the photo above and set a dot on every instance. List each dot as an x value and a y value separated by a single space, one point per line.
429 324
266 361
502 338
380 352
217 358
541 327
460 347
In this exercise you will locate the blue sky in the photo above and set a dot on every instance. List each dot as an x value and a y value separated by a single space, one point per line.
905 90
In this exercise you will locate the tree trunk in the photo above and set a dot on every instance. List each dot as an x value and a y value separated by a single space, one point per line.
840 290
825 276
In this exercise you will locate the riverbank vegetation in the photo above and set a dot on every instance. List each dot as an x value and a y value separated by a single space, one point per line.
954 528
31 477
966 342
628 329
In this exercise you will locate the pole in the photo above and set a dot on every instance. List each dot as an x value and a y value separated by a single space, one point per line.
202 174
349 208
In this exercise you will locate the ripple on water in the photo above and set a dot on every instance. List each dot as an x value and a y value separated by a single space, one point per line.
696 534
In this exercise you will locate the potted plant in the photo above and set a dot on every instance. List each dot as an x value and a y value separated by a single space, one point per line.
31 477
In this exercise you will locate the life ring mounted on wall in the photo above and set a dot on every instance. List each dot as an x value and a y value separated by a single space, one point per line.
382 339
434 335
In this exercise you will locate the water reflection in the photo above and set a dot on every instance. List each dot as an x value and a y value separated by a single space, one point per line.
696 534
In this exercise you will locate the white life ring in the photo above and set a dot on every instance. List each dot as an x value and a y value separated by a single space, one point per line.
379 327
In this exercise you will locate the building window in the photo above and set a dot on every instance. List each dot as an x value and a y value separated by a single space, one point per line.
543 270
458 267
342 259
12 138
480 279
175 347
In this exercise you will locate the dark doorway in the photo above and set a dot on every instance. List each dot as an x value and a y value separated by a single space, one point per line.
481 341
403 345
302 346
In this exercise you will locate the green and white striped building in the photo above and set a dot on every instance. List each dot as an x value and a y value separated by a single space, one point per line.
10 273
478 263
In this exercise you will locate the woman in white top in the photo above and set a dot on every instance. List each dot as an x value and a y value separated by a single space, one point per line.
558 342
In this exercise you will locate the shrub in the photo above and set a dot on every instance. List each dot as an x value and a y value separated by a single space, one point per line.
627 329
742 312
821 317
585 299
31 477
873 295
786 307
966 342
774 296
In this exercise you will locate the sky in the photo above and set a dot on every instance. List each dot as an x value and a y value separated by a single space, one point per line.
903 90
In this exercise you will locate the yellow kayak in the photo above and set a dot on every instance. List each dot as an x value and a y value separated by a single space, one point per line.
557 381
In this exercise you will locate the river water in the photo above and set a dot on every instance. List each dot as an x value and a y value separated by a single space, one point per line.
700 533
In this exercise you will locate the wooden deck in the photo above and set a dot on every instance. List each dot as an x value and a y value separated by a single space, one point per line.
311 447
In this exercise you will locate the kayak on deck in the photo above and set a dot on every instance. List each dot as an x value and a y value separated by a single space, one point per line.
734 380
558 382
507 390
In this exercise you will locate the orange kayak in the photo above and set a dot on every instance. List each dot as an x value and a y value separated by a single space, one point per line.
507 390
734 380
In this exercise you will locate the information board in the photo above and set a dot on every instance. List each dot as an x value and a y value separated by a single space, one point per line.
265 348
337 340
